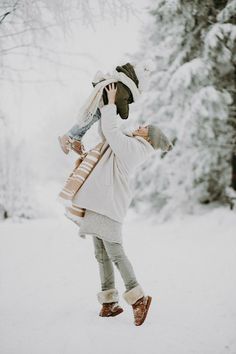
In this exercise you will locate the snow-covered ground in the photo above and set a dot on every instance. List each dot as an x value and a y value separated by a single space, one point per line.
49 281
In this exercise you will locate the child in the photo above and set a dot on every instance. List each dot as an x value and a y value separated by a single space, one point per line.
130 81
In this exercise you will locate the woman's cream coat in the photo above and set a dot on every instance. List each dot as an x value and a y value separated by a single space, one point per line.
107 190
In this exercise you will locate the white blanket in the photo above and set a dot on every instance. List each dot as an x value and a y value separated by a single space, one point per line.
94 100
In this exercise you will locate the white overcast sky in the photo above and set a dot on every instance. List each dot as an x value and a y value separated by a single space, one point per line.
33 105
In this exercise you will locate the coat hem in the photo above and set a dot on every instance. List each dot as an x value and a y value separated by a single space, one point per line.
99 211
97 235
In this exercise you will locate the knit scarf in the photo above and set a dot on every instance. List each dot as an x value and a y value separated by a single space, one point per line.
83 167
93 102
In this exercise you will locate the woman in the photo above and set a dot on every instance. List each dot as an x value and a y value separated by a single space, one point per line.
106 197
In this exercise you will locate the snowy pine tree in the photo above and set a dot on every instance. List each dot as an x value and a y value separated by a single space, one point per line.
21 199
190 95
17 195
3 167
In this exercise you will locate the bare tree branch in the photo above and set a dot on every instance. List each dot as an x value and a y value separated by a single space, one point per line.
24 33
8 12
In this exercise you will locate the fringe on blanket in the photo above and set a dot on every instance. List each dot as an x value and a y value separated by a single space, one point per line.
83 167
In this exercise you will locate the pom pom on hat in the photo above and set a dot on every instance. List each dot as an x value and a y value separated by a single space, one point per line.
143 71
100 76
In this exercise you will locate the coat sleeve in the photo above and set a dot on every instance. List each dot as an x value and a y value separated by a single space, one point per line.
127 149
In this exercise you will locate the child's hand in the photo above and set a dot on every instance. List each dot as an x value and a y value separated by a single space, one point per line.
111 92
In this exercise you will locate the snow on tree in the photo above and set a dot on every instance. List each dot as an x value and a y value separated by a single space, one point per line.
3 167
17 195
190 96
21 198
26 25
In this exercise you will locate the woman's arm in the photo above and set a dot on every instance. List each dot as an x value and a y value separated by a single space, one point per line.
128 149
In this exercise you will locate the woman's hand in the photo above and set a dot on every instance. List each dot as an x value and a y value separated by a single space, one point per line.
111 92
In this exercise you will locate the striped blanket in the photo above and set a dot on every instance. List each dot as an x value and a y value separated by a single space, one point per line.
83 167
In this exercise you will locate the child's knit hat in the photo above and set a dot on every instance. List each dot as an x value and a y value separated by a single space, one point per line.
138 73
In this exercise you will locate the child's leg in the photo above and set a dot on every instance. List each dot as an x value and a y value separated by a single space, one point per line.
76 132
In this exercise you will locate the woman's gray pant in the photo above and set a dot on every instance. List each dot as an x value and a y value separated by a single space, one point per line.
108 252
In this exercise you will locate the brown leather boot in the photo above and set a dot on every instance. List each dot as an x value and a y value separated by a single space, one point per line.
77 147
64 143
140 309
110 309
67 144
